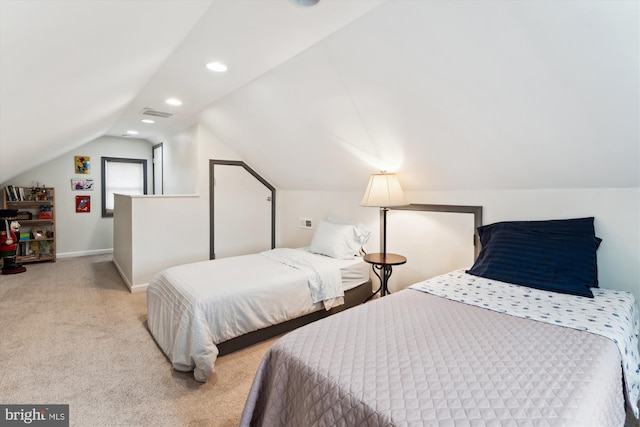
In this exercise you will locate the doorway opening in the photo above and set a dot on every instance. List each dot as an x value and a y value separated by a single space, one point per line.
242 210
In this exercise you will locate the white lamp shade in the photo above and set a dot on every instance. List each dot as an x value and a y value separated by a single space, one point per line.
384 190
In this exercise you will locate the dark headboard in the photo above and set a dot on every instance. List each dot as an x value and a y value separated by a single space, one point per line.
475 210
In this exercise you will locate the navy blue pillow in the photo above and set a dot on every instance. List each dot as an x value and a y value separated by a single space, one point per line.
573 226
580 226
556 255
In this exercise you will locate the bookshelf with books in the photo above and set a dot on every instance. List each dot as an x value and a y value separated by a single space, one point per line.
37 218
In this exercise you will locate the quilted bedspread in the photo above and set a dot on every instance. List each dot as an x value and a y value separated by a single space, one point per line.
414 359
610 313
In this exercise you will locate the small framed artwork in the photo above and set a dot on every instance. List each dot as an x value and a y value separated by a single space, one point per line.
83 164
83 204
81 184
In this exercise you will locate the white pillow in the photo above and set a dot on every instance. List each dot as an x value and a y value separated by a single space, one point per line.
335 240
361 231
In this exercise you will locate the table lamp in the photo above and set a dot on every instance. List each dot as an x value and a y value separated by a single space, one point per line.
384 191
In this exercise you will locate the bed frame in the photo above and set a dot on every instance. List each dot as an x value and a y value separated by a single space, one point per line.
476 211
352 297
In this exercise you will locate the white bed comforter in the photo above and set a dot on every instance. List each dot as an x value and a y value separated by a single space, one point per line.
611 313
323 278
192 307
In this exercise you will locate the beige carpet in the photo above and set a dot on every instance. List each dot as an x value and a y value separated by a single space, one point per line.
72 333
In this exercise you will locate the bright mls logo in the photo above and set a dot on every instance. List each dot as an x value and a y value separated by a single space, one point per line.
34 415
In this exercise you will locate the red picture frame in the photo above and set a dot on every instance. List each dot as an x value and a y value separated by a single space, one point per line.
83 204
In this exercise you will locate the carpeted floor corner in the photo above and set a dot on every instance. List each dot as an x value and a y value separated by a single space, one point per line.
72 333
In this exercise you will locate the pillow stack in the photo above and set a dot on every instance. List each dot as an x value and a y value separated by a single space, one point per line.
553 255
339 238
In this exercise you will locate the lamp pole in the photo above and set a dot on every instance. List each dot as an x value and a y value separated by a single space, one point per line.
383 211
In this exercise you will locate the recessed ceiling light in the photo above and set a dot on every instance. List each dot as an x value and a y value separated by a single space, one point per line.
305 3
132 132
173 101
147 121
218 67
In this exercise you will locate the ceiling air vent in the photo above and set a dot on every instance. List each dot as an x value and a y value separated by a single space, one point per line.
152 112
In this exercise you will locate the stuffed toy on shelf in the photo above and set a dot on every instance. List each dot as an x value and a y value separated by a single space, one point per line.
9 235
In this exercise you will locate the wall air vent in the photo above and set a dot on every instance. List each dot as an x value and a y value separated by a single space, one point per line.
152 112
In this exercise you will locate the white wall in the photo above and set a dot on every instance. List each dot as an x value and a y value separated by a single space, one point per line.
123 237
242 212
180 167
186 160
150 236
317 205
84 233
616 212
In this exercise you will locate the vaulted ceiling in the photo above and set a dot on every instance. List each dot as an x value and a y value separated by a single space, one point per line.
451 94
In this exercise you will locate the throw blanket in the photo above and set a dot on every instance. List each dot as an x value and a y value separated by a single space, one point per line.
612 314
324 278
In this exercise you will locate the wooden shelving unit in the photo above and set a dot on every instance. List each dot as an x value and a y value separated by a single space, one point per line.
33 207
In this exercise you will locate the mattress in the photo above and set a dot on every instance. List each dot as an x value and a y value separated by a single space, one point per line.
415 358
192 307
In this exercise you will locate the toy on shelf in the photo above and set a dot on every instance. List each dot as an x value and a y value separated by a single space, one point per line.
9 236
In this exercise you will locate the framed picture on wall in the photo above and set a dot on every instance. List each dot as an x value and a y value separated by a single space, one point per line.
83 204
83 164
81 184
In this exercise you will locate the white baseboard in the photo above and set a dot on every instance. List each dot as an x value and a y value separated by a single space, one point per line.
139 288
124 277
85 253
132 288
